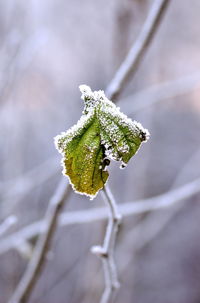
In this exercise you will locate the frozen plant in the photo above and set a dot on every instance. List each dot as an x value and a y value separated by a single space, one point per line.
102 134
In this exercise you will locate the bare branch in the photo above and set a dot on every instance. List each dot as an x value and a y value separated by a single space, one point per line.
27 182
162 91
153 224
106 252
139 48
27 283
7 224
100 213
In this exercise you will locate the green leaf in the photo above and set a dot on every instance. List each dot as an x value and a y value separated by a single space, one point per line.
102 134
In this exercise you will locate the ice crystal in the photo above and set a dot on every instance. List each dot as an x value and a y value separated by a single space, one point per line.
103 133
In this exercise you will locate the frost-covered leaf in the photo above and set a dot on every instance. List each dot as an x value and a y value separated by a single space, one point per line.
102 134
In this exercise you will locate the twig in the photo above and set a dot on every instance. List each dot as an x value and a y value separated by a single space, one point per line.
153 224
144 233
100 213
27 283
7 223
106 252
139 48
161 91
26 183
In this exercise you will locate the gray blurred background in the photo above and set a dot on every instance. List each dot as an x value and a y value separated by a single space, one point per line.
47 49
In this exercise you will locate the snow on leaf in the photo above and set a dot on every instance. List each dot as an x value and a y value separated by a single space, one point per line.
103 133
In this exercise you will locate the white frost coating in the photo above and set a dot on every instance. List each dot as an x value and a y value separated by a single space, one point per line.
109 117
103 105
64 138
86 92
119 135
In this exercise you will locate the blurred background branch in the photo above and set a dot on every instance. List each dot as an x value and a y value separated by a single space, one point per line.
139 48
30 277
7 223
92 215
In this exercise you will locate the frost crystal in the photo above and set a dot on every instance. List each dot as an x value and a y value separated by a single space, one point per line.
103 133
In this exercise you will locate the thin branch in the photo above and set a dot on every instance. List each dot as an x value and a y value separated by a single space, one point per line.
139 48
144 233
106 252
100 213
27 283
7 224
152 225
26 183
19 184
162 91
